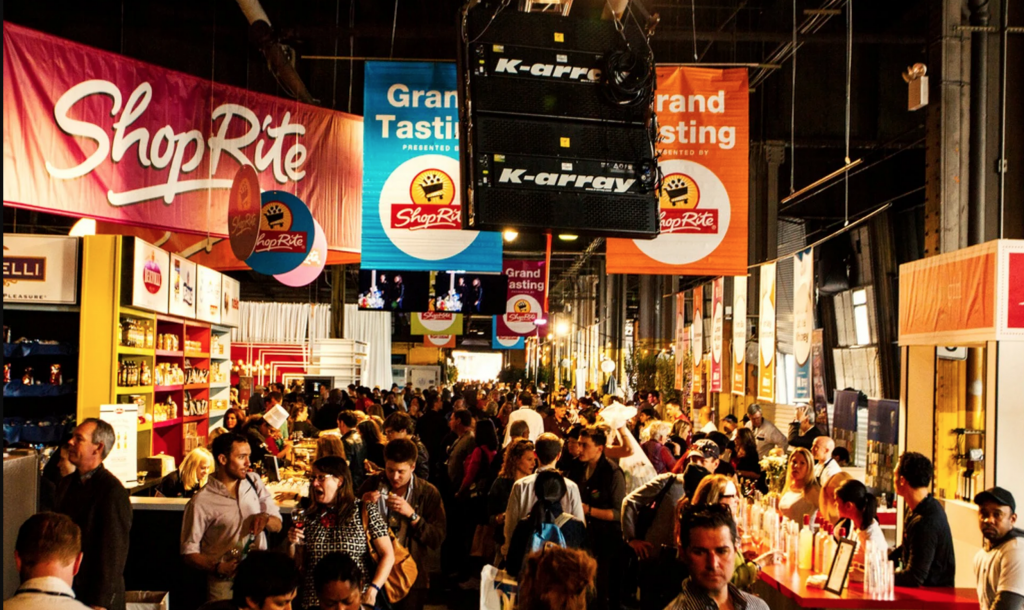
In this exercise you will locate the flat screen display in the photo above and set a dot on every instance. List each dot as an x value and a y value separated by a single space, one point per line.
402 291
470 293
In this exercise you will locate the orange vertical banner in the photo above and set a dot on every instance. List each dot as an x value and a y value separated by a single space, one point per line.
766 335
704 146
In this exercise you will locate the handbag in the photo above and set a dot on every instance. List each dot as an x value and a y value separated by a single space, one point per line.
403 573
646 514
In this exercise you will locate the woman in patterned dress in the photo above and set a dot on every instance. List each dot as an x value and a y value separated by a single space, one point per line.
334 523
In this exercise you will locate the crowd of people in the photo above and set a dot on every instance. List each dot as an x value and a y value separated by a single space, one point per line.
415 491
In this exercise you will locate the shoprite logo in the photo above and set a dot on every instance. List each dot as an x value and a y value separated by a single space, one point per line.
680 196
432 192
261 143
275 230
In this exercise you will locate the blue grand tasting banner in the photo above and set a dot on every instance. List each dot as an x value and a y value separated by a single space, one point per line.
412 213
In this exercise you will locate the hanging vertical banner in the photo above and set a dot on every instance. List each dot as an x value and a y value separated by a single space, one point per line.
704 147
820 396
766 335
739 334
412 215
682 339
525 304
698 339
803 322
717 330
499 341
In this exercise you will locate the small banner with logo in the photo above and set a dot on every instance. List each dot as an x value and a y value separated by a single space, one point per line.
803 322
717 332
766 335
439 340
499 341
525 298
704 143
436 323
698 339
739 335
412 212
682 339
818 380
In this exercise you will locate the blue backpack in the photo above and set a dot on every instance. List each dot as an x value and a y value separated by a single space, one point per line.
549 534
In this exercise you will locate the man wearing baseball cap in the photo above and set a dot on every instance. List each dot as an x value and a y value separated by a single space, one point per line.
704 452
999 565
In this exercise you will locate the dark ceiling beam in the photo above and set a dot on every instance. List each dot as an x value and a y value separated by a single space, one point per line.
781 37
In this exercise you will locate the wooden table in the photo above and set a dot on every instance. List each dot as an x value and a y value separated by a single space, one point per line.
783 586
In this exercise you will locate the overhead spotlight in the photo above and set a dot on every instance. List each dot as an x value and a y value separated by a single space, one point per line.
567 237
562 329
510 235
85 226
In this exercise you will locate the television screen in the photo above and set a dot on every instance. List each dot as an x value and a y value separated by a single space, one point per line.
403 291
470 293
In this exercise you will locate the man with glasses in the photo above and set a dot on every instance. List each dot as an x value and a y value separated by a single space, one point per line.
228 517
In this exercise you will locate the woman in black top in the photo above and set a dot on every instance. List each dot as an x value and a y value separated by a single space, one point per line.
602 489
190 477
747 462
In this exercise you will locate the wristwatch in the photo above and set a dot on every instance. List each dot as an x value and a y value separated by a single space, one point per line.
414 517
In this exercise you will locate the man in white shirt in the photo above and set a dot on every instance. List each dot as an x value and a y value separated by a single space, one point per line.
825 465
521 501
48 553
999 565
525 413
766 434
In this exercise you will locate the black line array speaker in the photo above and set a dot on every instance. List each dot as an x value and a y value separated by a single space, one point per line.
549 139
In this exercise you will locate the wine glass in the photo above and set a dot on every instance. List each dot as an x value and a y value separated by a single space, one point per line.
299 519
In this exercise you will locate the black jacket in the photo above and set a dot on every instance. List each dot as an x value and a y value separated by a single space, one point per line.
100 506
926 554
805 440
355 450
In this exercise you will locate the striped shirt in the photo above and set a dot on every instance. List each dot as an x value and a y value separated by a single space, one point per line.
692 598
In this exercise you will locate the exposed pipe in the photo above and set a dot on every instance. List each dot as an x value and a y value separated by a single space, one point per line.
262 35
1005 25
978 139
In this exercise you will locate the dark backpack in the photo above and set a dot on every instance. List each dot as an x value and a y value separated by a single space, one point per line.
645 516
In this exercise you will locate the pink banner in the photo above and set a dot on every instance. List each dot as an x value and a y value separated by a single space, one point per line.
525 298
717 332
88 133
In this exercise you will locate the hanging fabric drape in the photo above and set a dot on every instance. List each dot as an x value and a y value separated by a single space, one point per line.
282 322
373 328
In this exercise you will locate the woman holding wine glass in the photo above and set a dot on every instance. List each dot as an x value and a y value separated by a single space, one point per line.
334 520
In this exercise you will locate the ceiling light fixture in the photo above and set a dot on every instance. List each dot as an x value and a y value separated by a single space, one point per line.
567 237
85 226
510 235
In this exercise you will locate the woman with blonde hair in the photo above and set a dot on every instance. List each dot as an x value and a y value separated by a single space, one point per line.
190 477
800 497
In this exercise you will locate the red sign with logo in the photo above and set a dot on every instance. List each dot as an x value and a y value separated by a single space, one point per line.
1015 291
414 216
92 134
526 280
244 212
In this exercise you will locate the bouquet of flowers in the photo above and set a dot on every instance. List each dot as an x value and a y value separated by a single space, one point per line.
774 466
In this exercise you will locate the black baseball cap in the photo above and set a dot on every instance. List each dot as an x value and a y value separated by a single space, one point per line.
998 495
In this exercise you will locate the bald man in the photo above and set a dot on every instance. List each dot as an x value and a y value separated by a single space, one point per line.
826 465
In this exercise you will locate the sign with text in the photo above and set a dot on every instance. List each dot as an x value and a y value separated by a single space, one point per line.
40 269
286 234
717 330
820 395
93 134
1010 310
230 314
682 339
208 298
121 462
525 303
766 335
412 212
803 322
436 323
704 147
146 275
183 287
739 334
439 340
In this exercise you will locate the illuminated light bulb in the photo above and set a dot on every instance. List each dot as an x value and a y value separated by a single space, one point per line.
85 226
510 235
567 237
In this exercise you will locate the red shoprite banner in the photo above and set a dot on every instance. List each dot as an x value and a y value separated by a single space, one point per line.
90 133
525 298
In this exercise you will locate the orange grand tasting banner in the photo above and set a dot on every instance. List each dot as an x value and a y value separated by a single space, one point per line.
766 335
704 147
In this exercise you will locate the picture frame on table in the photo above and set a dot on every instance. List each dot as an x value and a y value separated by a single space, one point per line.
837 576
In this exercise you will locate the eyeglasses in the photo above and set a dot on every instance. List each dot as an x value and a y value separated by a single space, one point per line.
320 477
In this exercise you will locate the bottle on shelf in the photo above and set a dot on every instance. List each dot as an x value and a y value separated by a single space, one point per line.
806 545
